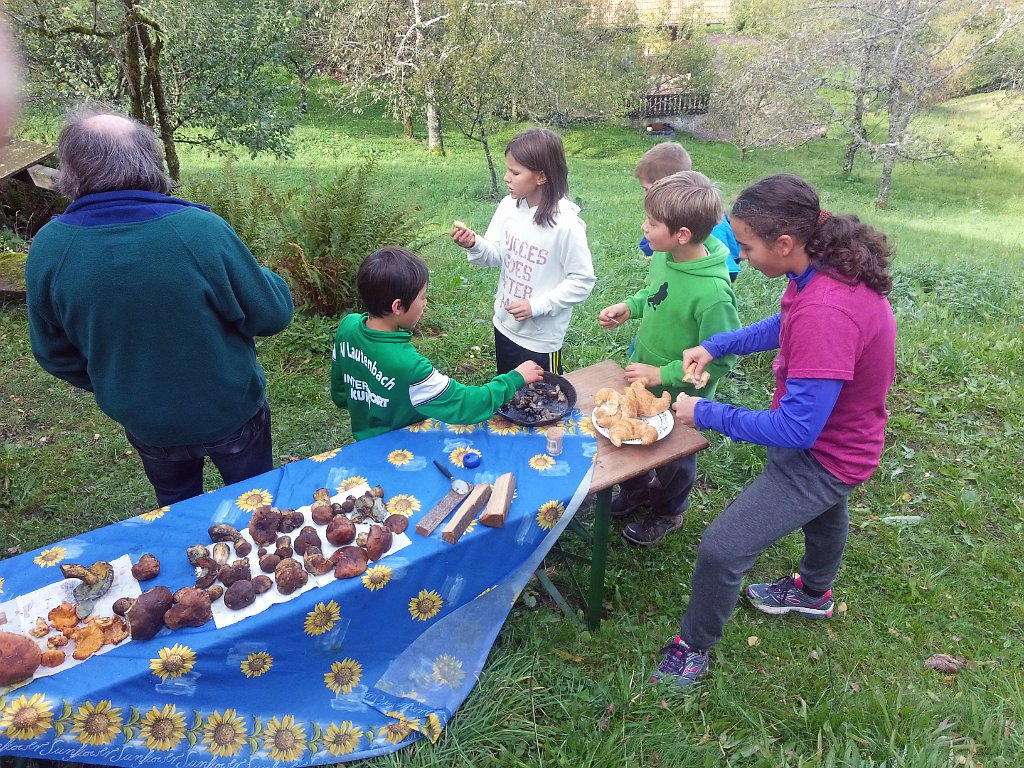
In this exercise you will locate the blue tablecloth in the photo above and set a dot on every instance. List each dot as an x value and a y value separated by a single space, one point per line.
352 669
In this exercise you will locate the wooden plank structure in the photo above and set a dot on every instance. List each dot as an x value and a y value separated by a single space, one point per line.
501 499
22 161
466 513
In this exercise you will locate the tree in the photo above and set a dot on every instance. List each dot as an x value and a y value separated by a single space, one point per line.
306 48
204 74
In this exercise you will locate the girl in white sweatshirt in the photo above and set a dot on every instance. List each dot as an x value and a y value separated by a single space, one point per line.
538 239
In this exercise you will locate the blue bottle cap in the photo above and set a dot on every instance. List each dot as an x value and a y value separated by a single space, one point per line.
471 460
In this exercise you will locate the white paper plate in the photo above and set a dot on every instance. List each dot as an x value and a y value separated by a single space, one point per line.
663 422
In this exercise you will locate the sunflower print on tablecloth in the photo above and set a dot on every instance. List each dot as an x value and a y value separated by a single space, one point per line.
163 728
400 457
325 456
97 724
399 731
322 618
285 739
447 670
376 577
256 664
344 675
27 717
541 462
50 557
224 734
343 738
173 662
425 605
499 425
155 514
1 585
462 429
254 499
351 482
423 426
432 727
403 504
457 455
549 514
586 426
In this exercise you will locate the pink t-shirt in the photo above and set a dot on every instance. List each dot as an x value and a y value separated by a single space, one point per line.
834 331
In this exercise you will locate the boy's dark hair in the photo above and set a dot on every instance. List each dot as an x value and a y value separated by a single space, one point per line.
840 246
663 160
687 199
387 274
541 151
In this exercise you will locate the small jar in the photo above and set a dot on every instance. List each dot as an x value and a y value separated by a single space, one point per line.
554 435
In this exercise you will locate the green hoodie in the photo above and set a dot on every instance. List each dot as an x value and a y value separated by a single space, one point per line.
386 384
683 304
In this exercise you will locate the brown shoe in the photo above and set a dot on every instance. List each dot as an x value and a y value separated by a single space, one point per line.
627 502
651 529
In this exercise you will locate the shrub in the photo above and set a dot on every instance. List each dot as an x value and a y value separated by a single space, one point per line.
315 235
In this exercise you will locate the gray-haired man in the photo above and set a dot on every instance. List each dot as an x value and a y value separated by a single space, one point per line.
152 303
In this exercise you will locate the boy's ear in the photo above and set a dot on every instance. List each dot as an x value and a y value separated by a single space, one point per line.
397 307
684 235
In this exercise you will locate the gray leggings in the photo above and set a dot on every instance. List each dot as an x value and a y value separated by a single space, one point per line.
794 491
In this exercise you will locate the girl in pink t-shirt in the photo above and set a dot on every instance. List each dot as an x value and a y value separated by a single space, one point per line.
835 337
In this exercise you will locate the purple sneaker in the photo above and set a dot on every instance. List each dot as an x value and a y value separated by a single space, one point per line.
682 664
787 596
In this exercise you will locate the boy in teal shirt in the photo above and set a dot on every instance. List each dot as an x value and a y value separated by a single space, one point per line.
688 297
380 377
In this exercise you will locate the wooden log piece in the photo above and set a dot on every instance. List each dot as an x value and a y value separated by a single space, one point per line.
466 513
501 498
440 511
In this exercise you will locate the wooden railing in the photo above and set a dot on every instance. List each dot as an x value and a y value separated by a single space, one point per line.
668 104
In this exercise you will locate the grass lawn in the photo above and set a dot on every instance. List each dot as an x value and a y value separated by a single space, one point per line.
936 553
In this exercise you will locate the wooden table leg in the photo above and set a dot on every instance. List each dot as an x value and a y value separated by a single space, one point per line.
599 557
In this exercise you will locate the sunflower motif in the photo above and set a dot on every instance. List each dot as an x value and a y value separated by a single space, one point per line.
549 514
322 618
162 729
1 585
344 675
423 426
326 455
541 462
26 717
50 557
155 514
425 605
403 504
173 662
254 499
351 482
97 725
489 589
434 727
400 457
586 425
376 577
448 671
462 429
456 456
285 739
256 664
398 731
342 739
224 735
499 425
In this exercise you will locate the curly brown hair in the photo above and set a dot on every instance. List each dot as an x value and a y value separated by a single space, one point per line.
838 245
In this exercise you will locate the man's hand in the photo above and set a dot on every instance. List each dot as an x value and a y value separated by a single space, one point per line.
613 316
530 371
463 235
684 408
520 310
650 375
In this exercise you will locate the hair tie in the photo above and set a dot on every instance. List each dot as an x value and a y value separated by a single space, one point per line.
824 216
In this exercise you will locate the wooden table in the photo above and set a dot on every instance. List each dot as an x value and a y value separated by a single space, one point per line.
613 465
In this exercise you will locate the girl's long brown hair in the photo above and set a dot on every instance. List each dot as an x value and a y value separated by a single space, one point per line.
839 245
541 151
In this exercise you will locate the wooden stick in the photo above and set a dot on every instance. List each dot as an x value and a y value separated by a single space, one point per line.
436 516
465 514
501 499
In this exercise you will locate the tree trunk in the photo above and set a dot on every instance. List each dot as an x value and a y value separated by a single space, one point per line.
435 137
163 114
403 106
888 163
495 192
858 133
303 94
132 62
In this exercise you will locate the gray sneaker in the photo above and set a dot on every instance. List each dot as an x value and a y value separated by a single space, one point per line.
651 529
682 664
787 596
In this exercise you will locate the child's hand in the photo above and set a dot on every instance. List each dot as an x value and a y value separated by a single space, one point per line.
463 235
684 408
650 375
520 310
614 315
695 359
530 371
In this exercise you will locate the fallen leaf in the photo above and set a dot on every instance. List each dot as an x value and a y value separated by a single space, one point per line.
1008 728
855 687
753 640
602 724
95 437
814 654
663 704
943 662
842 607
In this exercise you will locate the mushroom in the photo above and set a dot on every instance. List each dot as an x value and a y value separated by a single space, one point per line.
19 658
223 532
147 568
263 524
315 561
308 537
261 583
340 531
378 542
236 571
290 520
349 562
206 571
396 523
146 616
191 609
321 512
240 595
96 580
221 552
290 576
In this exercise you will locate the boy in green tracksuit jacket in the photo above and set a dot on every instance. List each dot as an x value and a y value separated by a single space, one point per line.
688 298
380 377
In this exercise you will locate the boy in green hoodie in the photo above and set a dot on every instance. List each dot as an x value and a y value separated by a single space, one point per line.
688 297
380 377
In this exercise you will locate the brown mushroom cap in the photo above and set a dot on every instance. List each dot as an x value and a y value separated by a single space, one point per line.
340 531
240 595
396 523
378 542
19 658
191 609
147 568
349 562
146 616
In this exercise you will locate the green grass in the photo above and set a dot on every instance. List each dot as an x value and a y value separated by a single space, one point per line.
551 696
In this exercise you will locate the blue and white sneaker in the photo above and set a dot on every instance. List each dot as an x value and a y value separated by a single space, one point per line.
682 664
787 596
